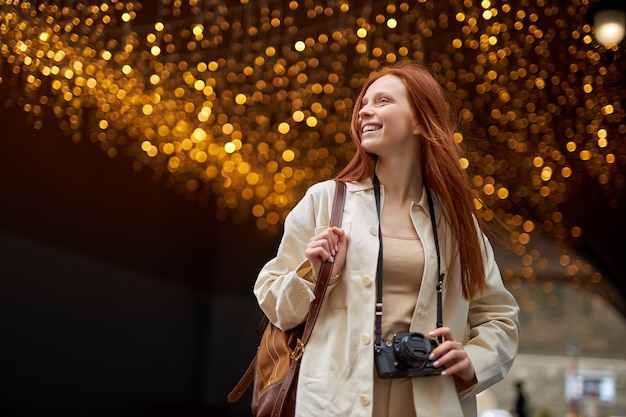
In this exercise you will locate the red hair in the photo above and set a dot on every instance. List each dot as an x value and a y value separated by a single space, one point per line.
440 162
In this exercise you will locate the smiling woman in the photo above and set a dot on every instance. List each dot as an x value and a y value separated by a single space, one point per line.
407 193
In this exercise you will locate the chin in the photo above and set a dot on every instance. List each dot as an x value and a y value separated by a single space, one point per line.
370 147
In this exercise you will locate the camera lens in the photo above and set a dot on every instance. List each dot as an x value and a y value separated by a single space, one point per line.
412 349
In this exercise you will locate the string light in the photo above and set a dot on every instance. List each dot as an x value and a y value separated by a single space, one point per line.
250 101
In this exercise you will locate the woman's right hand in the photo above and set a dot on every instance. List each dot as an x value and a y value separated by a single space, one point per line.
330 245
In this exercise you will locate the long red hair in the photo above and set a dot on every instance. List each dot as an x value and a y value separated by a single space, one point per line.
440 161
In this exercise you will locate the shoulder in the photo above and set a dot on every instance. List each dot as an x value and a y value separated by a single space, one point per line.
319 197
318 194
321 189
315 198
324 190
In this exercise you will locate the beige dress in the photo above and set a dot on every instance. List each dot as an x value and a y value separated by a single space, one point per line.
403 267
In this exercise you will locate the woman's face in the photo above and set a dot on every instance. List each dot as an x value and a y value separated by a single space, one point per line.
386 122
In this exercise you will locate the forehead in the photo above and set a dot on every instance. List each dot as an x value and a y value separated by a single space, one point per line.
387 83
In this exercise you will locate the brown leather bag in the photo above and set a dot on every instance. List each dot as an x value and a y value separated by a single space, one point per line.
274 371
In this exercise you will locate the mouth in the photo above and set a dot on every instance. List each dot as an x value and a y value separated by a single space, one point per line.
370 127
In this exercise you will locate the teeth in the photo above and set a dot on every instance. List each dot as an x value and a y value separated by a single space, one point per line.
369 128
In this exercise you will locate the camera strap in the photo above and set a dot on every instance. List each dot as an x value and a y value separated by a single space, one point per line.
379 271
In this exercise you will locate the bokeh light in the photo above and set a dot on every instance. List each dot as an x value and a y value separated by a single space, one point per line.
248 103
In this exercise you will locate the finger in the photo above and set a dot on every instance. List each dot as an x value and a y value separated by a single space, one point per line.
452 369
453 356
441 334
330 238
446 352
319 250
325 245
334 235
324 237
329 243
463 369
441 331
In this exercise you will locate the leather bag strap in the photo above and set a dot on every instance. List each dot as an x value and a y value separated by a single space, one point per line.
320 290
326 268
323 278
243 383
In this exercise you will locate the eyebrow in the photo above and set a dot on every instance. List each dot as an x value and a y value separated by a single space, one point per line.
379 94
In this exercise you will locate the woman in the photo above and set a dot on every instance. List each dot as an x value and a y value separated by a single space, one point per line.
404 141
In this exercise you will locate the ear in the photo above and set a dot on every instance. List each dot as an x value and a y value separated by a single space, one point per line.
416 126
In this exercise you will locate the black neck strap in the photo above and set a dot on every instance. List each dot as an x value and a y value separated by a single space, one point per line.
379 272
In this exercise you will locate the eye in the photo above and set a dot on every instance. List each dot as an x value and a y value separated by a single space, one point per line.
383 100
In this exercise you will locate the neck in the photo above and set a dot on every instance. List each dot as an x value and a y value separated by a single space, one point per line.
403 184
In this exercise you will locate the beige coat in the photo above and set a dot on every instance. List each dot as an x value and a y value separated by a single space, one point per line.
336 374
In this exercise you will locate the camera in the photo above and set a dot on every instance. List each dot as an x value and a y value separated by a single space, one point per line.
406 356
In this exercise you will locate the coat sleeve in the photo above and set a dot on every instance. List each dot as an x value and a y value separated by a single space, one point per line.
494 329
285 285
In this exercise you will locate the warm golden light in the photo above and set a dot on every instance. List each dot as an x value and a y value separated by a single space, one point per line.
610 26
249 102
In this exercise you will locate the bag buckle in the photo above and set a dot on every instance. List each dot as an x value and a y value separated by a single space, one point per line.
298 350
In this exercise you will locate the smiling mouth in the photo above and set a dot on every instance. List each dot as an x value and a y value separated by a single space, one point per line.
370 128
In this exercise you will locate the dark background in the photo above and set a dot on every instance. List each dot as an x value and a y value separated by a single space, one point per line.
118 296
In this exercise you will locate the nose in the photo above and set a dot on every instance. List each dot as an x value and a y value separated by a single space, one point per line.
365 112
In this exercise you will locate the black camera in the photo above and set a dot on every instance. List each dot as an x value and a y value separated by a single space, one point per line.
406 356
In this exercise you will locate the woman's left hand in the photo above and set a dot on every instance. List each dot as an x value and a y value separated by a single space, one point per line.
451 355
